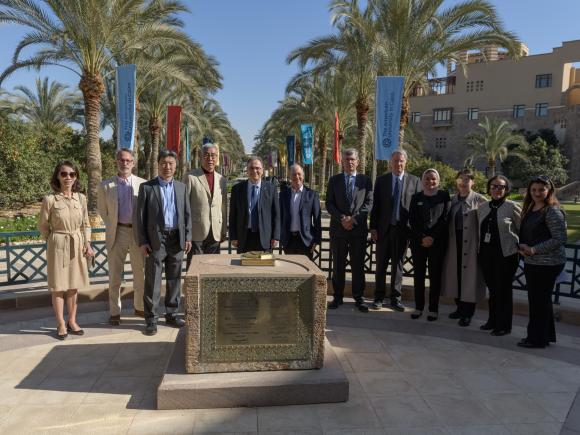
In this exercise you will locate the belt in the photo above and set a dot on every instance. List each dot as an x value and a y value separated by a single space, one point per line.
295 233
70 241
169 232
125 225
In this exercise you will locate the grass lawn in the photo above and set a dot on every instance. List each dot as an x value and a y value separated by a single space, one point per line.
573 218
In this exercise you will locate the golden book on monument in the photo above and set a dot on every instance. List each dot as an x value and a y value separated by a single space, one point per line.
258 258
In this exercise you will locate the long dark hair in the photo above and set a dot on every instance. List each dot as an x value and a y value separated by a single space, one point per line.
550 199
55 182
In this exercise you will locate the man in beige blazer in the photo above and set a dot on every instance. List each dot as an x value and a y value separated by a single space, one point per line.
207 192
117 199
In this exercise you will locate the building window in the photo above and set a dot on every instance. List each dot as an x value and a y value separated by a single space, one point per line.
474 86
542 109
440 142
479 86
415 117
469 87
519 110
544 81
442 116
473 113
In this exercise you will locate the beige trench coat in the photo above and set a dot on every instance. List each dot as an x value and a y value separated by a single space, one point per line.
64 224
472 283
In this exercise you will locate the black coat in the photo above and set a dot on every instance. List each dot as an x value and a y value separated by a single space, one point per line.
310 217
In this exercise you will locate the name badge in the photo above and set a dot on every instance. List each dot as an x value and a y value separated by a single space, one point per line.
487 237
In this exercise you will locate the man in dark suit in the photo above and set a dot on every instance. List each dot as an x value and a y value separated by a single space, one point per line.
349 200
300 216
390 227
254 211
163 232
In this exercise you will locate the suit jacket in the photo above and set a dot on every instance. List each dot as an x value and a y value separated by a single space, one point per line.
383 201
337 206
207 212
108 205
426 220
148 221
268 213
310 217
508 223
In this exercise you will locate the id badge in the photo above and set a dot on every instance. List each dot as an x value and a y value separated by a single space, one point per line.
487 237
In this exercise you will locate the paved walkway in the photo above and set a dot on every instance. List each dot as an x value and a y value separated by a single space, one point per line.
406 377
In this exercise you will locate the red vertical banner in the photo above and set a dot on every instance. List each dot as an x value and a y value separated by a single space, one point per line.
173 131
336 148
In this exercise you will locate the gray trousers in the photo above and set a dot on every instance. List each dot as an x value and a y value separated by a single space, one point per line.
169 255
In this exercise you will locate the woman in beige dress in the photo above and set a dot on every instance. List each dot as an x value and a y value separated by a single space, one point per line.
64 224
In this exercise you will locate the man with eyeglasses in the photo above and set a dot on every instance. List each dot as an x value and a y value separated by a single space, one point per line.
207 192
116 200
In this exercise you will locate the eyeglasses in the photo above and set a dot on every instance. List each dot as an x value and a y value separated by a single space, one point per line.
498 186
210 156
64 174
543 179
125 160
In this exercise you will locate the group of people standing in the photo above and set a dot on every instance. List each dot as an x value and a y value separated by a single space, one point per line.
465 242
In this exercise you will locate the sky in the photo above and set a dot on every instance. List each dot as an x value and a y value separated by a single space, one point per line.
251 40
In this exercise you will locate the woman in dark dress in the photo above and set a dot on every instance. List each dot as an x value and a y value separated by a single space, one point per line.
428 220
542 244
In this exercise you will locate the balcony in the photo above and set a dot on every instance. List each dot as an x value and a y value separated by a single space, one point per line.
439 86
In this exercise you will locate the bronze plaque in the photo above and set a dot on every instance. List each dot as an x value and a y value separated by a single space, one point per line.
257 318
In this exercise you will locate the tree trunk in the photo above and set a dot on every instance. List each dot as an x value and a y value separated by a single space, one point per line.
92 87
323 151
146 161
362 116
136 140
155 131
405 109
491 166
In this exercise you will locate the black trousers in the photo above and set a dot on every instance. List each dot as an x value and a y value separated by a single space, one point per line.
433 259
498 273
252 243
207 246
392 247
540 282
296 246
170 256
354 248
465 309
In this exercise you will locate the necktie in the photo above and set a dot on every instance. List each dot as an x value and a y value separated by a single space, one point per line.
396 201
254 219
349 180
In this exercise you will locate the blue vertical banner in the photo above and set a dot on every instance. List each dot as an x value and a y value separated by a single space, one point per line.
307 136
389 98
291 149
126 77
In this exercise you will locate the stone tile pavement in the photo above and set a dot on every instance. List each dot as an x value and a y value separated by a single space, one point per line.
406 377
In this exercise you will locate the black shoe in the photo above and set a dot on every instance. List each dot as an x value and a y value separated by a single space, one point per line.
455 315
61 336
464 321
362 306
174 321
499 332
486 327
432 316
335 304
71 331
397 306
376 305
151 329
415 315
115 320
529 345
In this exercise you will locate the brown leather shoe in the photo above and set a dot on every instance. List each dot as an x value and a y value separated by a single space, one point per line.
115 320
140 313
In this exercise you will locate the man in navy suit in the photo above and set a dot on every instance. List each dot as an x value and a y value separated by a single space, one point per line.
254 211
300 216
349 200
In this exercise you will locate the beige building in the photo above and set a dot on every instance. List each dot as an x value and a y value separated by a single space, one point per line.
535 92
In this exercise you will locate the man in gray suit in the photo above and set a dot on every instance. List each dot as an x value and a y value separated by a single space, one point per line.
163 233
349 199
390 227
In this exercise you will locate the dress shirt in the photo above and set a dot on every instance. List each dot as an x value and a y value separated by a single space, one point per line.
125 200
209 176
347 176
168 199
400 177
295 209
250 184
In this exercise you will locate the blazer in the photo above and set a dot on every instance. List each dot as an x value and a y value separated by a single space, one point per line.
310 217
108 205
383 201
549 238
508 223
431 221
337 206
207 212
268 213
148 221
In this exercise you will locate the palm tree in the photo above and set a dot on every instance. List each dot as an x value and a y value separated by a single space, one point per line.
49 107
78 35
492 143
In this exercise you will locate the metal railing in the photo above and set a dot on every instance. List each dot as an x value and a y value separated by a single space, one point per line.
25 262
